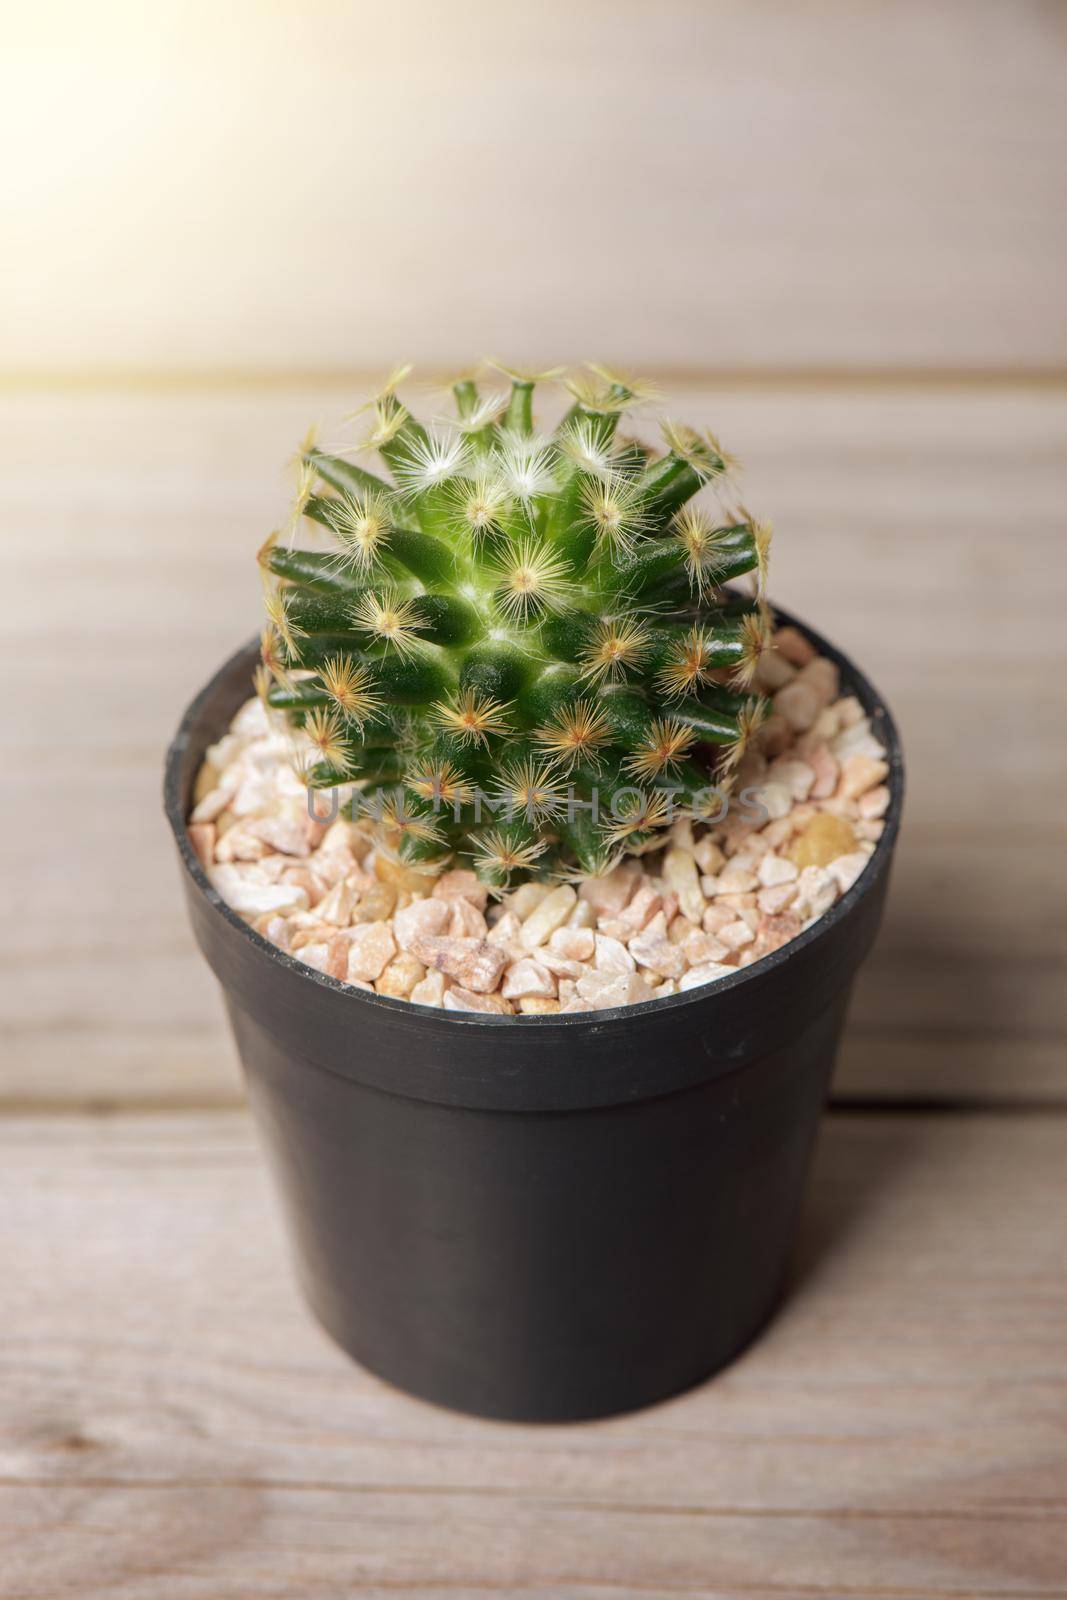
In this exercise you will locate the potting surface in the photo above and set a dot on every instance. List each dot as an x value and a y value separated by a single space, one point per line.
174 1426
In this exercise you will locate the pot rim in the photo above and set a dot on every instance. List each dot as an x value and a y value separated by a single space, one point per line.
615 1018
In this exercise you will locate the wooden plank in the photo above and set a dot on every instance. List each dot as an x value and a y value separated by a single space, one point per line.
176 1426
923 532
877 185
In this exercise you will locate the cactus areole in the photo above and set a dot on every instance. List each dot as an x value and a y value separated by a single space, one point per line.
514 648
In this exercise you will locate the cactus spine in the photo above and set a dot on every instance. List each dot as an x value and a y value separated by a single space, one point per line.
519 643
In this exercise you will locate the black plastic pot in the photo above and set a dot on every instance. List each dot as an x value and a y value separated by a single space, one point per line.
544 1218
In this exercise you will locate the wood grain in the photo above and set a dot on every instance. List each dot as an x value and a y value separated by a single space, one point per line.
175 1426
923 531
738 184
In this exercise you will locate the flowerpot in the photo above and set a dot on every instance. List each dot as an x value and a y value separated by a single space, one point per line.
540 1218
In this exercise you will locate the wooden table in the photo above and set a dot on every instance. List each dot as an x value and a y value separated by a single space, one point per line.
173 1425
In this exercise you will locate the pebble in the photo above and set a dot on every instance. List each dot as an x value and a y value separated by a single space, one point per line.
459 999
735 879
420 919
466 921
474 963
505 931
776 869
329 957
526 898
717 917
250 898
737 902
371 947
612 892
561 966
340 836
651 949
461 884
528 977
840 805
792 644
430 991
237 844
338 904
736 935
875 803
821 676
202 838
846 869
775 799
825 770
681 833
288 835
333 866
642 908
816 891
603 990
401 976
377 902
798 704
776 898
215 802
856 740
253 794
774 671
207 780
398 875
860 773
548 915
709 858
304 927
775 931
680 874
576 944
700 948
821 840
703 974
583 916
297 878
274 928
776 737
612 955
798 776
781 830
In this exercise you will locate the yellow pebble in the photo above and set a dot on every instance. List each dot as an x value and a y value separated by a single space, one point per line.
376 904
821 840
400 876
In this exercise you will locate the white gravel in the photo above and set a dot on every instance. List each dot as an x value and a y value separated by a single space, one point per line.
712 900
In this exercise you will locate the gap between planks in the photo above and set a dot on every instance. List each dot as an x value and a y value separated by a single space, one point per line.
1051 1511
178 380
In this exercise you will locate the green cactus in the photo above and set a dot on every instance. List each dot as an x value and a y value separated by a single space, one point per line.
519 645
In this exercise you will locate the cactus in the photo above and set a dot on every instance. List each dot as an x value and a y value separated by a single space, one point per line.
517 642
